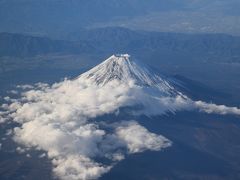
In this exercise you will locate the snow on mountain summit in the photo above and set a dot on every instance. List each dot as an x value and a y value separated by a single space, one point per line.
123 69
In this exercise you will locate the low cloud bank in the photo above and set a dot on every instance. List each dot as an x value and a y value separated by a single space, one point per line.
56 119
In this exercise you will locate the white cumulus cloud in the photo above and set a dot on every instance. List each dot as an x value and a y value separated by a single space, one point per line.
56 119
138 138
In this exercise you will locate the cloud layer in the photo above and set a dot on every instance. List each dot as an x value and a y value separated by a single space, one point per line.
56 119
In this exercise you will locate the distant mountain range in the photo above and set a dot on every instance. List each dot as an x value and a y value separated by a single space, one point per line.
114 40
23 45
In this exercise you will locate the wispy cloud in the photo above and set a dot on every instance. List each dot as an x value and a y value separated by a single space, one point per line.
217 109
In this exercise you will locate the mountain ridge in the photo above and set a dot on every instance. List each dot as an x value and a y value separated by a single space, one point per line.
112 40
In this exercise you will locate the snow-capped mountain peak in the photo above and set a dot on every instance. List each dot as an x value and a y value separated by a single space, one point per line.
124 69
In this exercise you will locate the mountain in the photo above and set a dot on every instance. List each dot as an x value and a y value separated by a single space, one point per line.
142 86
115 39
122 70
130 83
